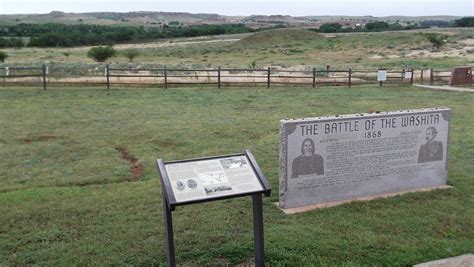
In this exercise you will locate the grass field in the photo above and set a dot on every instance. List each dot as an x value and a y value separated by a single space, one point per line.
79 184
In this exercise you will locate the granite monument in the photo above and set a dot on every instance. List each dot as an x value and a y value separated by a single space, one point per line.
343 157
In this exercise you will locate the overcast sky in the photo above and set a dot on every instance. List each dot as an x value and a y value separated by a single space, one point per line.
249 7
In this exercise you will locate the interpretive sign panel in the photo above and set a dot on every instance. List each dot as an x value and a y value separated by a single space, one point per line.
381 75
328 159
210 178
204 179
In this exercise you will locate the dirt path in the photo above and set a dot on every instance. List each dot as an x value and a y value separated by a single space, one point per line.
168 43
446 88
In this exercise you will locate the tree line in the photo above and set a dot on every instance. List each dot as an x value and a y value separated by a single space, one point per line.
377 26
62 35
11 42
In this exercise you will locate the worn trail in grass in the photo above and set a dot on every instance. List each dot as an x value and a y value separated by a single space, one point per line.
71 192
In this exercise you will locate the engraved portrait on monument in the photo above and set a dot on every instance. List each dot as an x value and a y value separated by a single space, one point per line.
432 150
308 162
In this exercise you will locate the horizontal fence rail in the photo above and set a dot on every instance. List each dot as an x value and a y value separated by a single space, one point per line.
164 77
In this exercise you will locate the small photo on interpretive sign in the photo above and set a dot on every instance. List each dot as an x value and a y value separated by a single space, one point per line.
209 178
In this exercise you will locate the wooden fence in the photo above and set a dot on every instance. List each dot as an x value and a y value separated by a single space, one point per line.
219 77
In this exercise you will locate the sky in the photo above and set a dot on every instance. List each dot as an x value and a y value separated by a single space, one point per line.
249 7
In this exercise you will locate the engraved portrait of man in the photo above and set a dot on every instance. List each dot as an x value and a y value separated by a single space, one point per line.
432 150
308 162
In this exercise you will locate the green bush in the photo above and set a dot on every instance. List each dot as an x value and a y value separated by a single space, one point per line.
3 56
131 54
101 53
436 39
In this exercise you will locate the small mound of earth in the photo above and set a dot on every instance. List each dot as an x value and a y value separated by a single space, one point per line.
279 36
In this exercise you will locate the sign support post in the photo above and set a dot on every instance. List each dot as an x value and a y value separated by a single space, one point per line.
258 230
169 233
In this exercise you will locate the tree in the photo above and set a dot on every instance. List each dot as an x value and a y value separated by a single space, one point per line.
101 53
131 54
3 56
377 26
330 27
464 22
253 64
436 39
11 42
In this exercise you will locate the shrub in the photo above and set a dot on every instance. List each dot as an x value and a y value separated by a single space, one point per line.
3 56
131 54
101 53
253 64
436 39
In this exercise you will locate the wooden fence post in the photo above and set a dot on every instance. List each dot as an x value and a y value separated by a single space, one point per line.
350 77
166 78
403 75
107 74
412 75
431 76
44 76
268 77
219 77
421 75
314 77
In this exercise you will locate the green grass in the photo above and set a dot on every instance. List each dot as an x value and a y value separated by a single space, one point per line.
67 197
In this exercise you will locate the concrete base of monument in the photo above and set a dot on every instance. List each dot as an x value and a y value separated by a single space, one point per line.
368 198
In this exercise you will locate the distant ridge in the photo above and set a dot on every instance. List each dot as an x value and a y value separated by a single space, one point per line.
154 18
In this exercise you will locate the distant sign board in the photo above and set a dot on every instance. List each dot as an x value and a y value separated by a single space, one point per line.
461 76
408 74
381 75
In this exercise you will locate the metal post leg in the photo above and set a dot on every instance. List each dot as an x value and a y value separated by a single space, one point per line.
168 233
258 230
